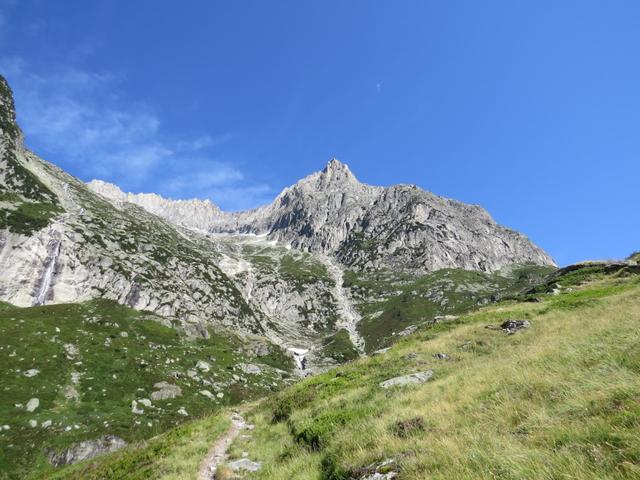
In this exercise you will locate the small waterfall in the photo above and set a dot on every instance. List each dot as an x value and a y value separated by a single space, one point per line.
47 275
299 356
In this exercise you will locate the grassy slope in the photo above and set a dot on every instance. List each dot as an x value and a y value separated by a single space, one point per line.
390 302
175 455
112 376
559 400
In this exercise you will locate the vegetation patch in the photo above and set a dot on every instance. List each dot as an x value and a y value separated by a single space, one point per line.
88 363
28 217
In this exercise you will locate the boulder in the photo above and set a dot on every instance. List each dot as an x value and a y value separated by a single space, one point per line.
33 404
135 409
412 378
262 350
165 391
244 464
441 356
85 450
250 368
207 394
381 351
408 331
512 326
203 366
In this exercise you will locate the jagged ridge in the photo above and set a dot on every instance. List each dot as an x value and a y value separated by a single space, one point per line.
365 227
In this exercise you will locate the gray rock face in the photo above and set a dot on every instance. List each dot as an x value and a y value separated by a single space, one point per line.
85 450
412 378
365 227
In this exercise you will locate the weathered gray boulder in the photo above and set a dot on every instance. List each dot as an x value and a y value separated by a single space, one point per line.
165 391
250 368
203 366
33 404
84 450
244 464
412 378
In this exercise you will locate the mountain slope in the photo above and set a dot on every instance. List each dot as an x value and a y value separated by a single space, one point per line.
365 227
94 367
557 399
264 290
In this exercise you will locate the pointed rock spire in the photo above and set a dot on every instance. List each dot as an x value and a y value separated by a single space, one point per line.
336 172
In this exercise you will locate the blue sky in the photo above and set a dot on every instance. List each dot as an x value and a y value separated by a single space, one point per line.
529 108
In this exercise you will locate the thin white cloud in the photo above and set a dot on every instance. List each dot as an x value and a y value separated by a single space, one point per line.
75 118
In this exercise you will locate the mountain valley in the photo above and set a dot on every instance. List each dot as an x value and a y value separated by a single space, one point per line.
133 326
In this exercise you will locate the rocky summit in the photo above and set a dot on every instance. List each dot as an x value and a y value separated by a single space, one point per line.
362 226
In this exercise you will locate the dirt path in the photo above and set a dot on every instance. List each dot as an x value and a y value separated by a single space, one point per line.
218 452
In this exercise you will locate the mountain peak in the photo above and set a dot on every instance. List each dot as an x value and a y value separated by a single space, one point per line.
334 164
336 171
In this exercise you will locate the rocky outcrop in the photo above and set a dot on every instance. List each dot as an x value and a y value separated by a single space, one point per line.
412 378
85 450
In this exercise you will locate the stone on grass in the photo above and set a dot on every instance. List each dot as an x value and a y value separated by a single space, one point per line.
250 368
441 356
381 351
31 372
244 464
203 366
412 378
84 450
206 393
135 409
512 326
165 391
33 404
408 331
